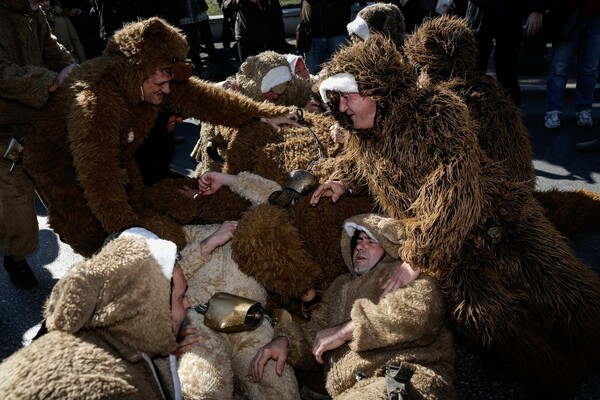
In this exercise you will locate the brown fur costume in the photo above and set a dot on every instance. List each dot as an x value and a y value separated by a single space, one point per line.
103 317
81 157
511 283
248 81
381 337
298 259
445 51
306 252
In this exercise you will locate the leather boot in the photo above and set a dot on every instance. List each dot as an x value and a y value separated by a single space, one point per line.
19 272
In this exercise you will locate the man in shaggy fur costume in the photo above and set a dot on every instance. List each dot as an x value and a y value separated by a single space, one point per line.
380 18
362 332
217 365
445 51
511 283
110 320
265 77
82 155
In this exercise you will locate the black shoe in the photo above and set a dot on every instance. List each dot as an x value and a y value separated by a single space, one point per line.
591 146
19 272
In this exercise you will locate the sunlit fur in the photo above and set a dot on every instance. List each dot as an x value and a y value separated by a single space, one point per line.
525 295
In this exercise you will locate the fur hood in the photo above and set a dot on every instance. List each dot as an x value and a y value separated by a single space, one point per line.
444 47
377 227
269 70
390 79
121 292
382 18
139 48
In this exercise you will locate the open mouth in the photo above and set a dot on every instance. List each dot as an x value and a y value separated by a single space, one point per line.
359 257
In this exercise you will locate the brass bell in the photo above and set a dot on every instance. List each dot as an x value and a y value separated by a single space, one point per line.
228 313
298 183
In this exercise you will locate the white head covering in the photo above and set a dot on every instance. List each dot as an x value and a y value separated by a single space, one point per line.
293 60
359 27
164 251
274 77
344 83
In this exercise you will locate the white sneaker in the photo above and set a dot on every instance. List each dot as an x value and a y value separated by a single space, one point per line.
584 118
552 121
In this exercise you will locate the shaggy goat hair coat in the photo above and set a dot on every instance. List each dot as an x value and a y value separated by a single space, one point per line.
82 154
510 281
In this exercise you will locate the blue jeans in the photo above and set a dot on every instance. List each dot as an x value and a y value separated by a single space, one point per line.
585 44
321 50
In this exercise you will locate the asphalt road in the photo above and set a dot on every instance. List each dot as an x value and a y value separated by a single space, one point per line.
557 165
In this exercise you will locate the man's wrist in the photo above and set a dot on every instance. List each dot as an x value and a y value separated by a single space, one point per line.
283 339
348 330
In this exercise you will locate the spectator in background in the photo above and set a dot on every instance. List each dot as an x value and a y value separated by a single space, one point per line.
258 26
155 154
86 18
228 21
328 20
414 11
32 66
580 37
501 22
64 30
97 20
193 20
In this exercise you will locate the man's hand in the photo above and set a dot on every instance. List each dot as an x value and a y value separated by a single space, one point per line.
60 78
337 134
332 338
276 349
333 189
172 121
285 119
534 23
402 276
212 181
189 337
219 237
208 183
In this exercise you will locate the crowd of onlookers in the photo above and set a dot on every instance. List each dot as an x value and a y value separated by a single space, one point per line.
255 26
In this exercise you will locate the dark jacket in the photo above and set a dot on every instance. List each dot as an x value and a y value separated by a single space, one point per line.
254 22
30 59
513 8
327 17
